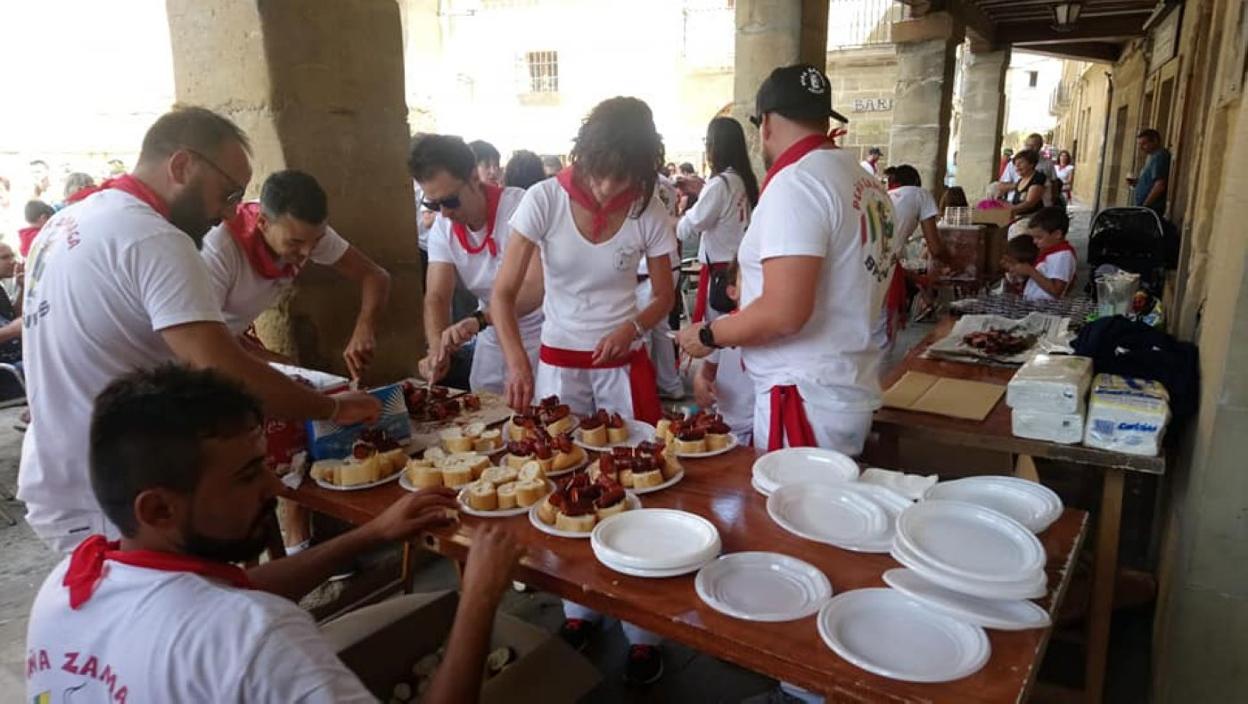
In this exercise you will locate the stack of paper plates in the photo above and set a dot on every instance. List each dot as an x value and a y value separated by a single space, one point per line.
802 465
1029 503
655 542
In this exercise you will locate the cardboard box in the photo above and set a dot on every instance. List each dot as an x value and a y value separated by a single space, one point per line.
1000 217
545 670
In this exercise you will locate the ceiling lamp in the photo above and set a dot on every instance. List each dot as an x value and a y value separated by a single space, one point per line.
1065 15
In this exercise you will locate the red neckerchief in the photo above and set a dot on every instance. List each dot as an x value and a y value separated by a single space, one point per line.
585 199
1062 246
86 567
26 237
642 386
788 420
245 231
492 195
796 151
128 184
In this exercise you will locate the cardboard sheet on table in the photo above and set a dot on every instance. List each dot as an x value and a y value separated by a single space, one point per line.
493 411
957 398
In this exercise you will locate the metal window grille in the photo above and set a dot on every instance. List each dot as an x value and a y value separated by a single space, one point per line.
542 75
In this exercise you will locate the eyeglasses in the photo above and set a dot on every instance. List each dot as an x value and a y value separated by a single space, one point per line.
451 202
235 196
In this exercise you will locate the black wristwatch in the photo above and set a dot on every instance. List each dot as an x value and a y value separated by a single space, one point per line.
482 323
707 338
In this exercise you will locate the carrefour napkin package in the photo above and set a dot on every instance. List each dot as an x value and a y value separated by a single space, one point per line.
1127 415
1050 383
1065 428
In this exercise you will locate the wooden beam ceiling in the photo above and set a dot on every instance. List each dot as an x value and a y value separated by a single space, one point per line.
1036 32
1097 52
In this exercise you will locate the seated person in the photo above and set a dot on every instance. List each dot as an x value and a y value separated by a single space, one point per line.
1020 250
10 314
37 214
177 463
1054 269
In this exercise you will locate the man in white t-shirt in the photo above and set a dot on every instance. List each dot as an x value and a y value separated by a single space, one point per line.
254 257
872 163
1050 277
115 283
814 269
914 210
468 240
162 614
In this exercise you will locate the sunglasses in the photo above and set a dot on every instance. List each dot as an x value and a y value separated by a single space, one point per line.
235 196
451 202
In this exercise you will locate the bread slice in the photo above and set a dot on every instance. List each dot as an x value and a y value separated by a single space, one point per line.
612 510
671 465
454 440
357 473
517 461
567 460
691 446
393 461
482 496
617 435
562 425
530 491
717 441
434 455
325 471
456 472
515 432
532 471
645 480
507 496
488 441
547 465
499 475
596 437
546 511
626 478
423 476
474 430
575 524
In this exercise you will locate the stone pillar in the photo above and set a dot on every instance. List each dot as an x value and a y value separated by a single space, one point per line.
320 91
771 34
983 116
926 51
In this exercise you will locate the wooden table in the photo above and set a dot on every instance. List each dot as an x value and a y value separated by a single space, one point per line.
994 433
719 489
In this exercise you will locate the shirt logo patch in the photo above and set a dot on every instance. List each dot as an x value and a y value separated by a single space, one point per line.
627 258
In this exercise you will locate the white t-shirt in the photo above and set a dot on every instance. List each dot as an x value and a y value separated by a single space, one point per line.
911 206
422 232
1058 265
721 214
824 206
868 167
1044 166
245 294
1064 173
479 270
103 278
590 288
150 635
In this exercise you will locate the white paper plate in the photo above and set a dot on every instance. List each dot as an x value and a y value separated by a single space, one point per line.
760 488
667 483
634 503
650 574
888 633
638 432
1001 614
1034 505
505 513
1033 588
734 444
827 513
803 465
358 487
891 503
655 539
763 586
971 541
576 422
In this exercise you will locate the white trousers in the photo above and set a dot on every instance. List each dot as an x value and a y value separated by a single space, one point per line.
586 390
735 393
661 347
489 367
835 428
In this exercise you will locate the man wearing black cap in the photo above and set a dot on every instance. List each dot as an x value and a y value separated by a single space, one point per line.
814 269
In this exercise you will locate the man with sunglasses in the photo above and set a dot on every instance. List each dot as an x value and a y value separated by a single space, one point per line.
254 257
115 283
467 240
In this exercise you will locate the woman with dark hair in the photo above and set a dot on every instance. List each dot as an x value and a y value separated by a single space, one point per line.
1066 172
524 169
592 225
1027 195
722 211
954 197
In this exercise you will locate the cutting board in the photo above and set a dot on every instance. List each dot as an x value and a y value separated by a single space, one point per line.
956 398
493 410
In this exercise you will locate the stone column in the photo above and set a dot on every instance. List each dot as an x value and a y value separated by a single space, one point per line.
320 91
771 34
983 115
926 51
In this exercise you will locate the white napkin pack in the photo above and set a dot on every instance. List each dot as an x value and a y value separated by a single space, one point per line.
1127 415
1051 383
1065 428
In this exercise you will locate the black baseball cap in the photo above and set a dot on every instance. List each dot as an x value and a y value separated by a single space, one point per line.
799 92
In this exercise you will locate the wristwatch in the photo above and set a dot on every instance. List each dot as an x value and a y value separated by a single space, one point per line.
707 338
482 323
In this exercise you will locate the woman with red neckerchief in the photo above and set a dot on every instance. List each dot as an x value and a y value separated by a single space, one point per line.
815 264
592 224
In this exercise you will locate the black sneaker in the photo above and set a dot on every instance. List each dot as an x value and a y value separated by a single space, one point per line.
576 632
645 664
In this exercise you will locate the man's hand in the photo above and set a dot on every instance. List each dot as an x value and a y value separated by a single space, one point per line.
359 352
460 333
615 344
520 386
356 407
704 391
491 559
434 366
415 513
689 342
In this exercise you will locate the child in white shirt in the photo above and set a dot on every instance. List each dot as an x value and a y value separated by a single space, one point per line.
1054 270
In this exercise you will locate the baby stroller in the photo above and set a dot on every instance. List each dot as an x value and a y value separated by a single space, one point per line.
1132 239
